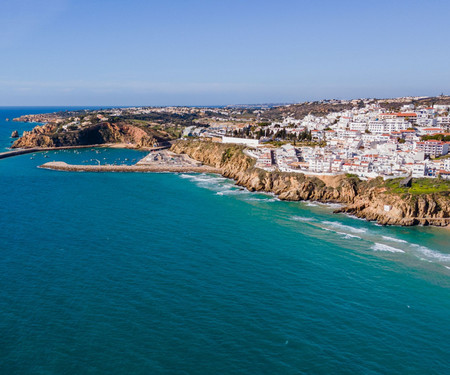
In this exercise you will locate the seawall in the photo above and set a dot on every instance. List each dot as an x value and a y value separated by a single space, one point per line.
61 166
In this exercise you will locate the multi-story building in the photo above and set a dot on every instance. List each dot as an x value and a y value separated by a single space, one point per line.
432 147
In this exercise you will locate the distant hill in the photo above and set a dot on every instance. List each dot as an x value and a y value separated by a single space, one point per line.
322 108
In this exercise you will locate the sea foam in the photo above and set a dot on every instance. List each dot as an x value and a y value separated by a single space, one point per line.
383 247
301 218
394 239
432 253
343 226
348 235
264 200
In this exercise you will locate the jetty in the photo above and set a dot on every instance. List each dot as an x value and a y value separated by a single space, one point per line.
62 166
157 160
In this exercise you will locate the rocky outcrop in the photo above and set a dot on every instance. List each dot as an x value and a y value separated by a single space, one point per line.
52 135
364 199
15 134
392 209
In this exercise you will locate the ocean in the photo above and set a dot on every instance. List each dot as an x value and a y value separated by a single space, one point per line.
110 273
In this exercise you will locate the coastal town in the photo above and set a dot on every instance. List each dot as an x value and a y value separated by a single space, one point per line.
367 141
364 137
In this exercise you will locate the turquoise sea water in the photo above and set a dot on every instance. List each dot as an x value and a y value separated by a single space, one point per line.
109 273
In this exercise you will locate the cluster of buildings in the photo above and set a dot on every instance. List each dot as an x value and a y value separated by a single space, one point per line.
367 142
364 139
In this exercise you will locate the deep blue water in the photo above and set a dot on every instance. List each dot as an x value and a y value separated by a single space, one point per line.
109 273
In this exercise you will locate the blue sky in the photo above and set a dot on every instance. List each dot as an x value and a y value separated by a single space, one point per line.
194 52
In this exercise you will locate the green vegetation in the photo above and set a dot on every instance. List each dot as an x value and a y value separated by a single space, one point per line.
278 143
438 137
227 155
296 143
353 177
418 186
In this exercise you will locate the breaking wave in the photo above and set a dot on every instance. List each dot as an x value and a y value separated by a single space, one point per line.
383 247
345 235
394 239
433 254
330 205
268 199
203 177
348 235
301 218
231 192
343 226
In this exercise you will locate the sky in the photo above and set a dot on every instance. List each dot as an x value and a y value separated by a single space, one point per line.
199 52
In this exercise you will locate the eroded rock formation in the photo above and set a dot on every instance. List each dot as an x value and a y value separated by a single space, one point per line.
50 135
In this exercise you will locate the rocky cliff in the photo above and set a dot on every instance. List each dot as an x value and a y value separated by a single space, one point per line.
365 199
51 135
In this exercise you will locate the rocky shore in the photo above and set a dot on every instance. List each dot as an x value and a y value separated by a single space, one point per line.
370 200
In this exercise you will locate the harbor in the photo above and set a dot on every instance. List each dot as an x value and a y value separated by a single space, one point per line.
155 161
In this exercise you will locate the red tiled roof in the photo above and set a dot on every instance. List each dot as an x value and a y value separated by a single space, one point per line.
400 114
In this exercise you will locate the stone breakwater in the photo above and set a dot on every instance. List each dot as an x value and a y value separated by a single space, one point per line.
370 200
61 166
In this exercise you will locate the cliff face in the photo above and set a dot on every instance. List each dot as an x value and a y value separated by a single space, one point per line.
49 136
424 209
360 198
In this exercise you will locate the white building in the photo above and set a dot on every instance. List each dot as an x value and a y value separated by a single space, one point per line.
241 141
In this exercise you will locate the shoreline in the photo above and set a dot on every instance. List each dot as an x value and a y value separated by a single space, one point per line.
249 180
